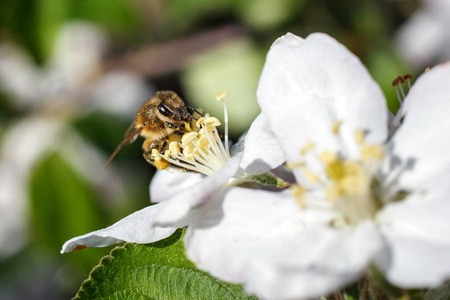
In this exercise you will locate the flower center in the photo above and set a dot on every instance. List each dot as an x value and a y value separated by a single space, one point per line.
200 150
349 185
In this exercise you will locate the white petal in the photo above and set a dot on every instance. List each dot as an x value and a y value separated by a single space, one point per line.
308 85
261 151
418 232
166 184
316 263
135 228
177 211
231 226
422 143
276 249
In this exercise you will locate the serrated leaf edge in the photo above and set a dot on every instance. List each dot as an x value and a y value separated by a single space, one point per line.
112 255
97 267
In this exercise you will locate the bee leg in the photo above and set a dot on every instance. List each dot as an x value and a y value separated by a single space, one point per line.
179 129
161 146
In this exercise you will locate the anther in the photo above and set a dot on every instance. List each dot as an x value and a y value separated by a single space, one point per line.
199 122
211 122
299 194
222 95
407 78
188 138
174 148
306 148
359 136
336 127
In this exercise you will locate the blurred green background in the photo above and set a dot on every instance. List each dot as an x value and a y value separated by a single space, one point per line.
74 72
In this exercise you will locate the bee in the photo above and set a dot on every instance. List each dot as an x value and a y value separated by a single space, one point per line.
160 120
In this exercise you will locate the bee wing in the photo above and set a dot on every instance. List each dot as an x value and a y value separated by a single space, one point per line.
130 138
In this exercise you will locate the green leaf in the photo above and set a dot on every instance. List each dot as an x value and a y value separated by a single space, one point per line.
155 271
267 178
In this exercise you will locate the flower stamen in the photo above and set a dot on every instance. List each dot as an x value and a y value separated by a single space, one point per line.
398 84
347 183
200 150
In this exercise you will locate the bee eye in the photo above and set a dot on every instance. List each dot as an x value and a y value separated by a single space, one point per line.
164 110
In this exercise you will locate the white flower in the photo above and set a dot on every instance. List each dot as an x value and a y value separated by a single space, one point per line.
363 199
424 38
179 194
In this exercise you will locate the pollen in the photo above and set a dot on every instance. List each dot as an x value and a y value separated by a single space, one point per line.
372 152
298 193
359 136
311 177
159 161
346 183
188 126
336 127
327 157
294 165
309 146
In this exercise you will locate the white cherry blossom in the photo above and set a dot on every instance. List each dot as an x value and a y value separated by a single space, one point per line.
364 199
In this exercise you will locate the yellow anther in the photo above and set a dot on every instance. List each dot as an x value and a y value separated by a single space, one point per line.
203 142
155 155
174 148
188 152
333 192
354 169
222 95
167 154
299 194
294 165
188 126
372 152
306 148
311 177
189 156
359 136
188 149
211 122
335 170
336 127
327 157
188 138
200 122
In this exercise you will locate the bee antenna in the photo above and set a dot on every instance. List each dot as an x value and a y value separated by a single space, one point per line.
193 110
126 141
